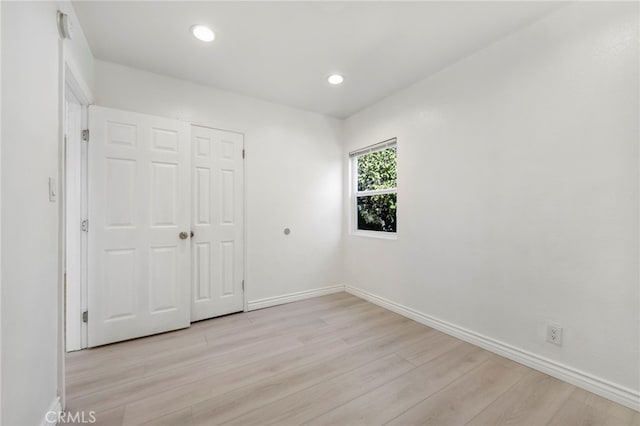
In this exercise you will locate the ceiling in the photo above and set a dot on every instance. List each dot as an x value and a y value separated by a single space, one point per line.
284 51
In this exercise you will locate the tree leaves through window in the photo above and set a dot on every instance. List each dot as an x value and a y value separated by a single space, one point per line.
377 171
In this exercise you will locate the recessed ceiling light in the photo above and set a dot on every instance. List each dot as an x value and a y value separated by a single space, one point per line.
203 33
335 79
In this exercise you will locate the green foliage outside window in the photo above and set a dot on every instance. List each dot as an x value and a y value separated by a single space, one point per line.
377 170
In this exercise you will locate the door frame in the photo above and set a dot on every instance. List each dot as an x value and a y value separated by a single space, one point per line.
70 80
75 291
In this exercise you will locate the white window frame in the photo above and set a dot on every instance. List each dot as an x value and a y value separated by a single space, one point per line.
353 158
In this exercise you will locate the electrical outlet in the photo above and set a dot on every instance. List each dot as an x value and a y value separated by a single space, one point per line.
554 334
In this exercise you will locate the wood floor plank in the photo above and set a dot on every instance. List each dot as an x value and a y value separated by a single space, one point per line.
460 401
157 343
360 329
432 346
318 399
165 402
335 359
369 333
311 306
185 369
532 401
141 367
284 384
177 418
115 354
392 399
111 417
586 408
233 404
348 314
185 377
209 367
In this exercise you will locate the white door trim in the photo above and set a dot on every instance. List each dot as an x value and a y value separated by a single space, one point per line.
77 332
70 79
0 217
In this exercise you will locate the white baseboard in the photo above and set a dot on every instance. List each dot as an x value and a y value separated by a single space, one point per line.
49 419
604 388
293 297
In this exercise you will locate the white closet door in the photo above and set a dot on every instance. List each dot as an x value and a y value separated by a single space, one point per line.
139 203
217 222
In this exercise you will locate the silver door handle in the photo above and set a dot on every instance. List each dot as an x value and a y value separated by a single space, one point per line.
183 235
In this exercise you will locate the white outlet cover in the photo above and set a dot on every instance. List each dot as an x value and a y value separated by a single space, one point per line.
554 334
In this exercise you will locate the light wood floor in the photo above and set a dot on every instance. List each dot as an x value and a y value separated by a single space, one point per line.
333 360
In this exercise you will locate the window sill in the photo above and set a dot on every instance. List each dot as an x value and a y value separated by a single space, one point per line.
381 235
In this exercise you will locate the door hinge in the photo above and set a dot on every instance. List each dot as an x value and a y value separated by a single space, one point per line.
85 316
85 225
243 153
242 285
85 135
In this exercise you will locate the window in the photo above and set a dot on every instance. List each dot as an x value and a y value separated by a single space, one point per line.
374 192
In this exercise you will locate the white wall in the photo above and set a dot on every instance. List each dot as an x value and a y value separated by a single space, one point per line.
518 192
29 220
30 155
293 174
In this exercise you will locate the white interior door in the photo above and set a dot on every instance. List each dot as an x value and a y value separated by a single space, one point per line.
218 172
139 203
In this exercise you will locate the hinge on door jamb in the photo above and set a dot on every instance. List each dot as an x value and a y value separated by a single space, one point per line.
84 225
85 135
85 316
242 285
243 153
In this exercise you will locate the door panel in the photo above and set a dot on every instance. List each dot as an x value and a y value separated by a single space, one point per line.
217 222
139 202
